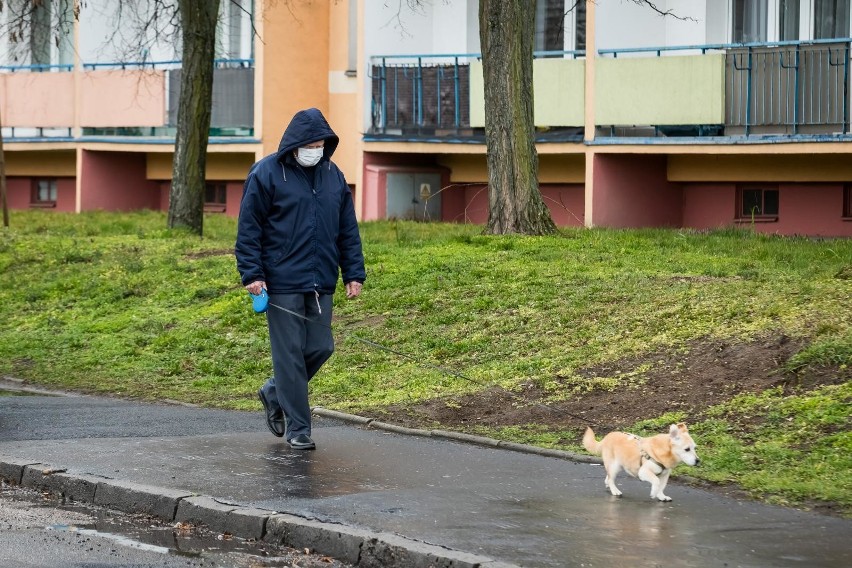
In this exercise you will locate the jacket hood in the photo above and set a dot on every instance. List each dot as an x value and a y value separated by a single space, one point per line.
305 127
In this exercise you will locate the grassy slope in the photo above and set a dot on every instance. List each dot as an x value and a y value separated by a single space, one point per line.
116 304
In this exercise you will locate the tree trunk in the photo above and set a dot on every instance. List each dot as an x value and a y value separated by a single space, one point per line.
5 204
515 205
186 199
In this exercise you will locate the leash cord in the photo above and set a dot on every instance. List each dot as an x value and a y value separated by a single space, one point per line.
433 367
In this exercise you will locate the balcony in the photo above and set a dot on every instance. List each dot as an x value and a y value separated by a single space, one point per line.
783 89
120 100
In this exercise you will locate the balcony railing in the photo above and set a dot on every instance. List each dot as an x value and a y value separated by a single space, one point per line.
427 95
790 87
420 93
121 99
781 88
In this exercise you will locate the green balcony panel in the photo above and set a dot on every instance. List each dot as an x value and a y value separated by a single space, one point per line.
660 90
559 92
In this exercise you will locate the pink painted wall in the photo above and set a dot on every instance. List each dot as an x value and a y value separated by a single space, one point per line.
19 192
234 191
30 99
470 203
709 205
813 209
116 181
632 191
803 209
474 209
123 98
566 203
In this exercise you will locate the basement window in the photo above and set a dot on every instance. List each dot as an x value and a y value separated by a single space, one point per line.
758 204
215 197
43 192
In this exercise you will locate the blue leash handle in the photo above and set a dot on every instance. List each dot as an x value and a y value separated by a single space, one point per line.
260 302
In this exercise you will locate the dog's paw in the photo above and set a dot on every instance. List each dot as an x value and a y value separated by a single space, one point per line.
663 498
615 491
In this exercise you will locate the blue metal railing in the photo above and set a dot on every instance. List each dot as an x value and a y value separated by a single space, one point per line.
37 67
166 64
426 92
791 87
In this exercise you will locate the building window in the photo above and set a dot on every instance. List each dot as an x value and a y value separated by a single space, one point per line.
788 20
757 203
750 19
215 197
550 25
831 19
43 193
580 26
847 202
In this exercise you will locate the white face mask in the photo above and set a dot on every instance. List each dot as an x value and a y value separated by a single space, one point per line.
308 157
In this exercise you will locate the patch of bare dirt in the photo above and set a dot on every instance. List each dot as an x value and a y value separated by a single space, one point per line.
704 373
208 253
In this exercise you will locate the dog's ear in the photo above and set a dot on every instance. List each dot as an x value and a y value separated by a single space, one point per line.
682 427
674 431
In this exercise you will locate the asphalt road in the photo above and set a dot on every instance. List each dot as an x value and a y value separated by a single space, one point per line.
520 508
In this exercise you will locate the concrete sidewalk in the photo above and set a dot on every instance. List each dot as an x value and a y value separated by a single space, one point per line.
376 495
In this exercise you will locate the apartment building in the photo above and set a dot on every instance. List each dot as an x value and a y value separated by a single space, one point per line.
725 113
89 114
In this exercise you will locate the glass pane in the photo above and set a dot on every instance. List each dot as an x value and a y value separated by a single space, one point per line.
550 25
580 18
751 202
770 202
40 34
750 17
831 19
788 20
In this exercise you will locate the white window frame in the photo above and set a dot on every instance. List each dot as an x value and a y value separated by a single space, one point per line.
773 21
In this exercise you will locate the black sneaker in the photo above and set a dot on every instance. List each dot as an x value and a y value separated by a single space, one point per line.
302 442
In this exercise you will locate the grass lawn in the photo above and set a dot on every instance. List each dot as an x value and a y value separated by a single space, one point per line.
116 304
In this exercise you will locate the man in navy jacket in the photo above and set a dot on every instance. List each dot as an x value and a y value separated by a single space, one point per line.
297 233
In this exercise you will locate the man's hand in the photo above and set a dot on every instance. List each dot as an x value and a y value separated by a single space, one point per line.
353 289
256 287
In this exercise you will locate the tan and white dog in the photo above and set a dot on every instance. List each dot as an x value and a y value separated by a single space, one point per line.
650 459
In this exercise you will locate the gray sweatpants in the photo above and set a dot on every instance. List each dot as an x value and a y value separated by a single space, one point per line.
299 348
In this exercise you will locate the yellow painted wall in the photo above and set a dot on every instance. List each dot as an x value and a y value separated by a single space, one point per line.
466 168
219 166
60 163
295 63
660 90
559 92
774 168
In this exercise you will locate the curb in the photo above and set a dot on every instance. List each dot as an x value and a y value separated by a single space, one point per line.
456 436
360 547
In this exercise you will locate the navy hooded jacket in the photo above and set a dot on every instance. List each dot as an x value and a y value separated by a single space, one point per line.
297 228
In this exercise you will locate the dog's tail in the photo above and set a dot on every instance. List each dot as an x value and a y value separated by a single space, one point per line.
592 446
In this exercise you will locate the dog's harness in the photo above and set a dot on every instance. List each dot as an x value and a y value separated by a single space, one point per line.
643 454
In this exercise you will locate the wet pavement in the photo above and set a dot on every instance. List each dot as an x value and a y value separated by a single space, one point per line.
524 509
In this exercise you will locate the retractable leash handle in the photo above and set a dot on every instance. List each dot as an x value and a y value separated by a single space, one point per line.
260 302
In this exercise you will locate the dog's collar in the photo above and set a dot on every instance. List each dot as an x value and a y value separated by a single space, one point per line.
647 457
